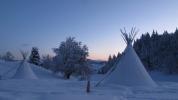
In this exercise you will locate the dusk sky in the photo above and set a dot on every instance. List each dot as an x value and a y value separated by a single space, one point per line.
97 23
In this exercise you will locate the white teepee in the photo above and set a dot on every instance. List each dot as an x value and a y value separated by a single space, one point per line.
129 70
24 70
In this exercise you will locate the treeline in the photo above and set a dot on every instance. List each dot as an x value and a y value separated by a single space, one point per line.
70 59
109 64
8 56
158 51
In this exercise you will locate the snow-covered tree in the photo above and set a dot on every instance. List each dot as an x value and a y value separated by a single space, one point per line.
8 56
47 62
34 56
70 56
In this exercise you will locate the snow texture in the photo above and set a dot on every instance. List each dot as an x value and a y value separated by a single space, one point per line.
130 71
48 87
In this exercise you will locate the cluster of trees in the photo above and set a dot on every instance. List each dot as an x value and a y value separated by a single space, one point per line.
159 52
8 56
34 56
70 59
47 62
109 64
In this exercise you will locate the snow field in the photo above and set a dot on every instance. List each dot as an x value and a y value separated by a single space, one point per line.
49 87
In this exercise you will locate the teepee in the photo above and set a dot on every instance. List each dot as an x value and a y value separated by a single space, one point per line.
24 70
129 70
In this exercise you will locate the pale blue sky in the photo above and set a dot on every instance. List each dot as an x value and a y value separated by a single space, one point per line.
45 23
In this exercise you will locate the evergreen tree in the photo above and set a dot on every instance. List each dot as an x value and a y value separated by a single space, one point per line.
109 64
34 56
118 55
159 52
110 61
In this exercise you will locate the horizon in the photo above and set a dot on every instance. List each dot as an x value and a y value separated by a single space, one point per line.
44 24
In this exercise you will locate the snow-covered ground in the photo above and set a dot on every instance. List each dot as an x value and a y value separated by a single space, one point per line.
49 87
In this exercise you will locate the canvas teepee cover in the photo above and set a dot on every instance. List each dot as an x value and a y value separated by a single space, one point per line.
129 70
24 70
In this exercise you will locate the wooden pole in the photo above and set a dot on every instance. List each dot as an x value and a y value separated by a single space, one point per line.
88 86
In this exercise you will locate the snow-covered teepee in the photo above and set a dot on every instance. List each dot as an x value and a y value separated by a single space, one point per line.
129 69
24 70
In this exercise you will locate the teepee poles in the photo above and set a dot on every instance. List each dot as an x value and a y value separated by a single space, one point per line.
129 37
